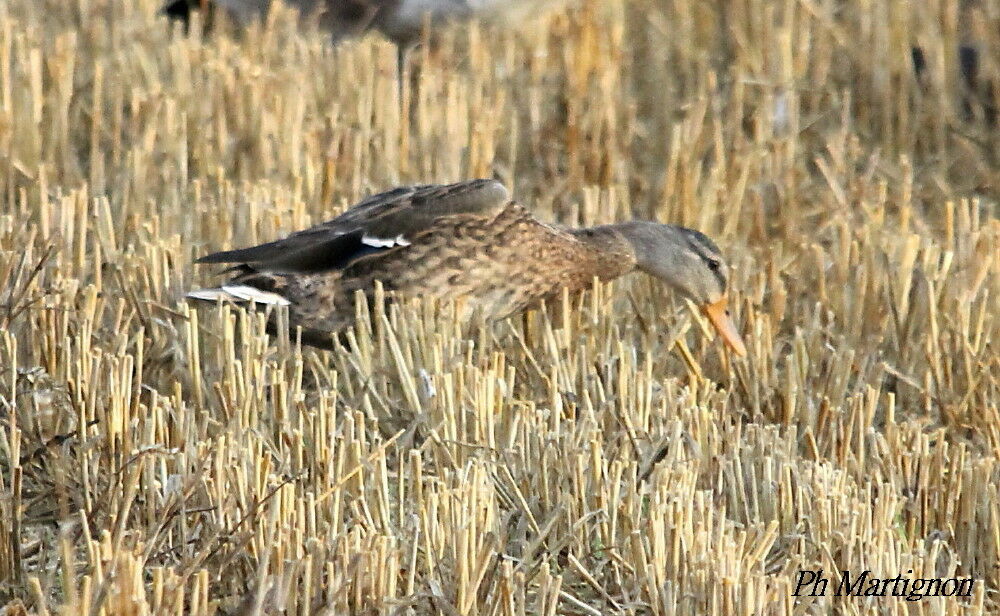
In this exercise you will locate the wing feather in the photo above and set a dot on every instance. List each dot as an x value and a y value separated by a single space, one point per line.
386 221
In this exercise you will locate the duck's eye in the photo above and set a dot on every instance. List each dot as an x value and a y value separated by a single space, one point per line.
714 265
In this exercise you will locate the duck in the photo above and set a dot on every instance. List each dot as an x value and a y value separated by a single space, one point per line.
467 242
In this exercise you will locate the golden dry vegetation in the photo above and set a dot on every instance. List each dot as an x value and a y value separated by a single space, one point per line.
604 457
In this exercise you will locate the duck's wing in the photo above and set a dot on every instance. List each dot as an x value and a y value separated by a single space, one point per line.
382 222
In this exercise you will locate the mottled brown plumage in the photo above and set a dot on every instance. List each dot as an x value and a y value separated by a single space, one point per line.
467 241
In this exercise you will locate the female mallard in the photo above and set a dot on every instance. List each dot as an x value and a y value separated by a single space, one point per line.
466 241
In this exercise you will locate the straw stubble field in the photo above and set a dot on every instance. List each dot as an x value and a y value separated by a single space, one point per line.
602 456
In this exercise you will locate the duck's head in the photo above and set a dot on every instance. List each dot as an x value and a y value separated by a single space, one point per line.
692 265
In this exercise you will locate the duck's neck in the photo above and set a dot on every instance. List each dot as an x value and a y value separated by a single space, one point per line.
611 254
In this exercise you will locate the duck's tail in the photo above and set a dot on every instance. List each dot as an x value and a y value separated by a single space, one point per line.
239 293
246 295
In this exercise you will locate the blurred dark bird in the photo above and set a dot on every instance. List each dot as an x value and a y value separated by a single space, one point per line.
467 242
401 21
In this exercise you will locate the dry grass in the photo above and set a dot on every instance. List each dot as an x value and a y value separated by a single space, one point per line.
603 457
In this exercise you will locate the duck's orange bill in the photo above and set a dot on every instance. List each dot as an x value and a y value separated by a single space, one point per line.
724 324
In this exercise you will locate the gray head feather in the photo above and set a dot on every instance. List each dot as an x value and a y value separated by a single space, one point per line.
685 259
